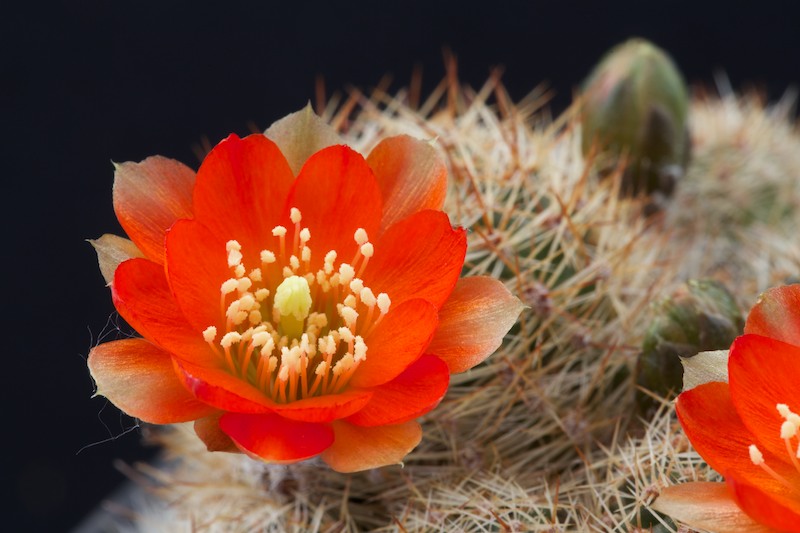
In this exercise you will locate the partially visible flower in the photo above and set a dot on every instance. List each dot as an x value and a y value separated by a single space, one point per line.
747 428
294 298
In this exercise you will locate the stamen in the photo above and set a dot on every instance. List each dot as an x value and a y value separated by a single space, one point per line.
295 215
267 257
360 236
384 303
209 334
229 286
758 459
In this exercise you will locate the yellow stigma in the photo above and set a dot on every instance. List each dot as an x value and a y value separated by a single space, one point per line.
293 302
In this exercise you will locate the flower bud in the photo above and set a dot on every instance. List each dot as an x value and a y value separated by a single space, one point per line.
700 316
635 106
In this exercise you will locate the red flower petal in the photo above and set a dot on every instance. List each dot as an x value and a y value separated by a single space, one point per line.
411 176
336 194
276 439
473 322
428 268
762 373
197 265
241 187
399 340
779 511
216 440
149 197
137 377
721 438
411 394
142 297
359 448
224 391
325 408
777 315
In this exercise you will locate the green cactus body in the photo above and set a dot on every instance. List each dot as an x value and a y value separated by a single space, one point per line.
701 315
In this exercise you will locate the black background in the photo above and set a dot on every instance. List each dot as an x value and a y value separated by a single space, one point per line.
87 82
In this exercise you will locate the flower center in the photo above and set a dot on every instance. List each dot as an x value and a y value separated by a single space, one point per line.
308 339
789 434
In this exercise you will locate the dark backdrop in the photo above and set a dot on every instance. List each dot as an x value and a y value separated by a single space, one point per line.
87 82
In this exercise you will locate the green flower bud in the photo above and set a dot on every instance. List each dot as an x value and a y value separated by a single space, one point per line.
635 105
700 316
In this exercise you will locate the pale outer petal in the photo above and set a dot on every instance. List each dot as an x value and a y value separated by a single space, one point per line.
473 322
357 448
705 367
301 134
411 174
149 197
706 505
111 251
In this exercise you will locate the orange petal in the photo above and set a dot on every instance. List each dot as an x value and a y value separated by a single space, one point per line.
325 408
149 197
473 322
276 439
223 390
301 134
721 438
111 251
142 297
138 378
705 505
777 314
336 194
240 191
399 340
780 511
359 448
411 176
216 440
419 257
410 395
762 373
197 265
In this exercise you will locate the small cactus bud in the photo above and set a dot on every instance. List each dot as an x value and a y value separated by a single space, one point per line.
700 316
635 105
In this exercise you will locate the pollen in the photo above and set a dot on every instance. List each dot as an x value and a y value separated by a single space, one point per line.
384 303
278 231
360 236
755 455
295 215
210 333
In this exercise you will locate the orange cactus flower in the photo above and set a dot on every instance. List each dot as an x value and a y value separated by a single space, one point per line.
747 428
294 298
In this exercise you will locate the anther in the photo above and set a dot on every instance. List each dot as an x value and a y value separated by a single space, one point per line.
384 303
209 334
232 337
295 215
267 256
360 236
229 286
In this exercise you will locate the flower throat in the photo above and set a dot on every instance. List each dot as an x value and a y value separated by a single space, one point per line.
289 331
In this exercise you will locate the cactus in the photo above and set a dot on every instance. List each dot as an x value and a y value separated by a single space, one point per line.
544 434
635 104
700 315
